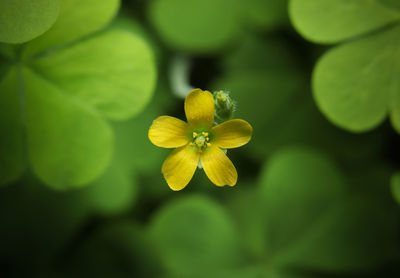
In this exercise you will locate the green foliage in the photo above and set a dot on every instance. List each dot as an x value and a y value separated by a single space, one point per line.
315 221
313 218
349 89
265 75
354 84
56 102
186 24
69 28
114 192
194 235
23 20
312 200
210 25
338 20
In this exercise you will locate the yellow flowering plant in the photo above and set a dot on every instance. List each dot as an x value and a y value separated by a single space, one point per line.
199 140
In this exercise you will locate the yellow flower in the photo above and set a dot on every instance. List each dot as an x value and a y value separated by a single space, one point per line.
198 140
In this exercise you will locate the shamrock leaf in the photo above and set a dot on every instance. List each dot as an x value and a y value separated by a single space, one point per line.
61 88
338 20
198 26
210 25
355 83
314 220
194 235
23 20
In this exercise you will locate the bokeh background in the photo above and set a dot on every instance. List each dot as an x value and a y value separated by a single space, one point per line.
82 194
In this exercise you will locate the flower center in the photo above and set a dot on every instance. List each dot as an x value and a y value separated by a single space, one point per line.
200 140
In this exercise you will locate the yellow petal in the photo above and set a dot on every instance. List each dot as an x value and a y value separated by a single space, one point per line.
168 132
199 108
232 134
218 167
179 167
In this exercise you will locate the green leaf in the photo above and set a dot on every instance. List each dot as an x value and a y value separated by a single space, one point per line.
11 142
114 192
314 220
245 207
69 143
266 14
336 20
23 20
76 20
133 147
194 234
354 84
395 187
195 26
62 98
313 186
116 72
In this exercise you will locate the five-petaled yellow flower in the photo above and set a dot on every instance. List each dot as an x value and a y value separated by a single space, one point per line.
198 140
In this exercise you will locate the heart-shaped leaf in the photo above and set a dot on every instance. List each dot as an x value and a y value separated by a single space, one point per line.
194 234
356 90
23 20
196 26
336 20
55 103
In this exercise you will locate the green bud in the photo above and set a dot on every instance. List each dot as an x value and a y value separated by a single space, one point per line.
224 106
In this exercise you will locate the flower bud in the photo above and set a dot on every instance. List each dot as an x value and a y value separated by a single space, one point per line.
224 106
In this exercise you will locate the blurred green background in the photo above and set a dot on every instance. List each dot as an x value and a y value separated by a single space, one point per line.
81 189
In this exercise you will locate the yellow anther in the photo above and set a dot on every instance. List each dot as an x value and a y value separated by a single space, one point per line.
208 144
208 139
195 134
200 151
205 133
191 144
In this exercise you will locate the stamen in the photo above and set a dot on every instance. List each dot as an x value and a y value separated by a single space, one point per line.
200 140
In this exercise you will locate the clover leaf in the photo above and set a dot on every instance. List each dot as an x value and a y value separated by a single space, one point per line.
355 83
211 25
59 89
198 26
194 235
23 20
314 220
